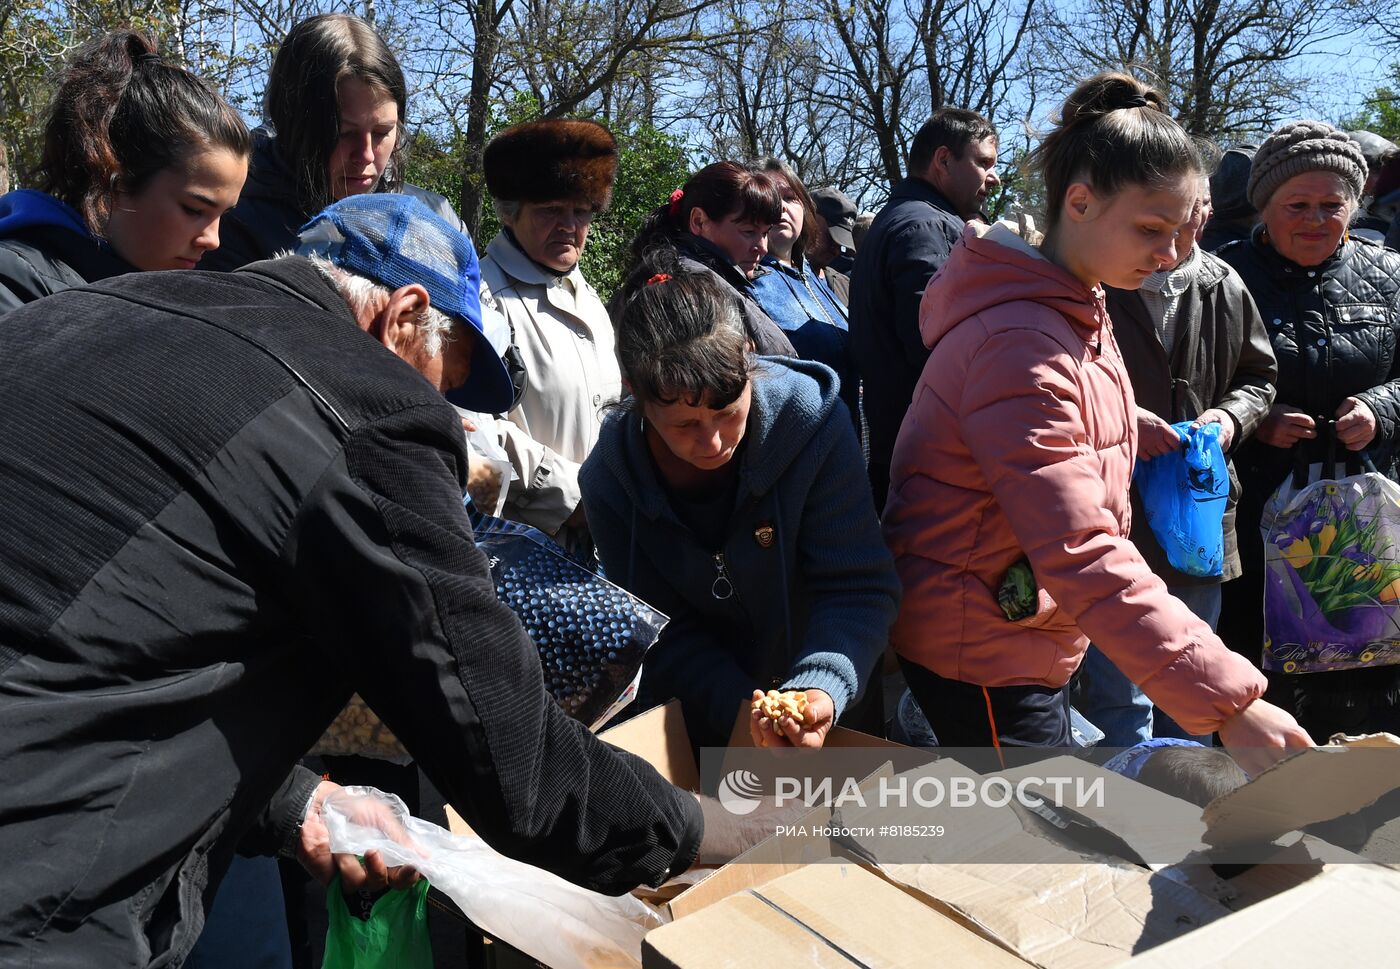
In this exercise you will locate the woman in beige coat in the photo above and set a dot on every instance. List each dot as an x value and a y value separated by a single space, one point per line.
548 180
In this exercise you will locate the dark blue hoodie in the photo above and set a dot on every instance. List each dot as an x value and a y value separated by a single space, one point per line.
815 590
45 247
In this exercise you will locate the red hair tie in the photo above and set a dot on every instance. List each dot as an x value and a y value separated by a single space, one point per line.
676 197
659 278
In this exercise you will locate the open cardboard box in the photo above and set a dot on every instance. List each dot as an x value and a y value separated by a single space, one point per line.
1049 901
832 916
659 737
1158 892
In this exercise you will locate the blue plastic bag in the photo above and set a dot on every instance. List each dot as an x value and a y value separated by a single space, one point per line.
1185 494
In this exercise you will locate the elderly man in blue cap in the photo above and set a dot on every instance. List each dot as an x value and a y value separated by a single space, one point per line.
231 500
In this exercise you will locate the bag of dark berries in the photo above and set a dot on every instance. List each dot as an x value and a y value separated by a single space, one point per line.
592 635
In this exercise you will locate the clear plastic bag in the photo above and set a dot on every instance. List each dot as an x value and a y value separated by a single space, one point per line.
506 899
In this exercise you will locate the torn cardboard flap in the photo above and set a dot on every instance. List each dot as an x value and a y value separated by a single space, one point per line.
1316 784
836 915
1344 916
1160 829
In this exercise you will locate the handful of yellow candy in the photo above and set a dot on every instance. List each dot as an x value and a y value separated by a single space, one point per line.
775 706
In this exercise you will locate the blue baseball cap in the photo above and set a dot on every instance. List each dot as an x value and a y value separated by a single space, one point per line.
396 240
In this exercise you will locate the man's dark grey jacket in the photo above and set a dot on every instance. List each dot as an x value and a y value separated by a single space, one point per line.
225 508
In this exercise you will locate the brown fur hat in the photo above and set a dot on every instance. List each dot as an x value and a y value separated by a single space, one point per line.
544 161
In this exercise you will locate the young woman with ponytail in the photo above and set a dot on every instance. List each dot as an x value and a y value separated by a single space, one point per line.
1011 471
141 159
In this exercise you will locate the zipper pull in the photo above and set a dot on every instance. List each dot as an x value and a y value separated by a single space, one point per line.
722 588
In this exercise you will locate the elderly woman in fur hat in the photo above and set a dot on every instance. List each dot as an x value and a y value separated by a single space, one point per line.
548 180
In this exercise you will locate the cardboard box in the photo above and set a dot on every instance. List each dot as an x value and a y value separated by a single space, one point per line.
1051 896
659 737
1344 916
835 915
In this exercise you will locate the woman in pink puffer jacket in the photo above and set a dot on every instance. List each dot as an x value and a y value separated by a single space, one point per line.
1019 445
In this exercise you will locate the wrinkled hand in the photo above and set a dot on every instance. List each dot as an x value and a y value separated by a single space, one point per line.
1286 426
787 732
1260 735
1217 416
1356 424
484 482
728 834
373 876
1155 436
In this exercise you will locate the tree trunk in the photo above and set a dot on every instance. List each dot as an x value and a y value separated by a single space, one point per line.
4 170
487 46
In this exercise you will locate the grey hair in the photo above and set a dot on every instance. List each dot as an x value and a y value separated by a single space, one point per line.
507 210
362 293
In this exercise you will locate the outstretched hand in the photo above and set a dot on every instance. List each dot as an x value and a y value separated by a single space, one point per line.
1260 735
816 723
371 876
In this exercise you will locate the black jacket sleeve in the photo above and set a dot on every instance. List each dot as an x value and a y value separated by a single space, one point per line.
402 603
916 254
275 827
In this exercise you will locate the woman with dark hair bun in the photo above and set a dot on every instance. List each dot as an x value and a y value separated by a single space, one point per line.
141 159
718 221
728 491
333 126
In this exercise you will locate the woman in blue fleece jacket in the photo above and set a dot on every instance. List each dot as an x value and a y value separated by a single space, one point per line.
728 491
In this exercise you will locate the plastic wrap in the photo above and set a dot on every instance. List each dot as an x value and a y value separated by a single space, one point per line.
558 923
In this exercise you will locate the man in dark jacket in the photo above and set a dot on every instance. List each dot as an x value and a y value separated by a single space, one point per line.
952 167
1196 349
231 500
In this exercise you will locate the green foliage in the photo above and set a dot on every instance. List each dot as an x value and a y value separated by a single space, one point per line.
1381 113
37 37
651 164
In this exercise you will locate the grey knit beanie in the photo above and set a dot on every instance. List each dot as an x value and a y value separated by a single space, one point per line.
1304 146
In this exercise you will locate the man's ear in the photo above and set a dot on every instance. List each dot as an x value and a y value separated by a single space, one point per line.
396 323
938 164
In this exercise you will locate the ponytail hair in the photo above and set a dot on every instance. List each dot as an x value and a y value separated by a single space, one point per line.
680 336
1113 131
302 102
120 116
719 190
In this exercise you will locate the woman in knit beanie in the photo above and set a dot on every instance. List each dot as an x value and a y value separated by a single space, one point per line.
1331 305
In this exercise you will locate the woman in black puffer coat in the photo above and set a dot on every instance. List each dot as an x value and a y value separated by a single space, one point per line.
1332 308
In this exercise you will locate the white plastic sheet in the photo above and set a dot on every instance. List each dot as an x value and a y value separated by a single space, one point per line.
544 916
